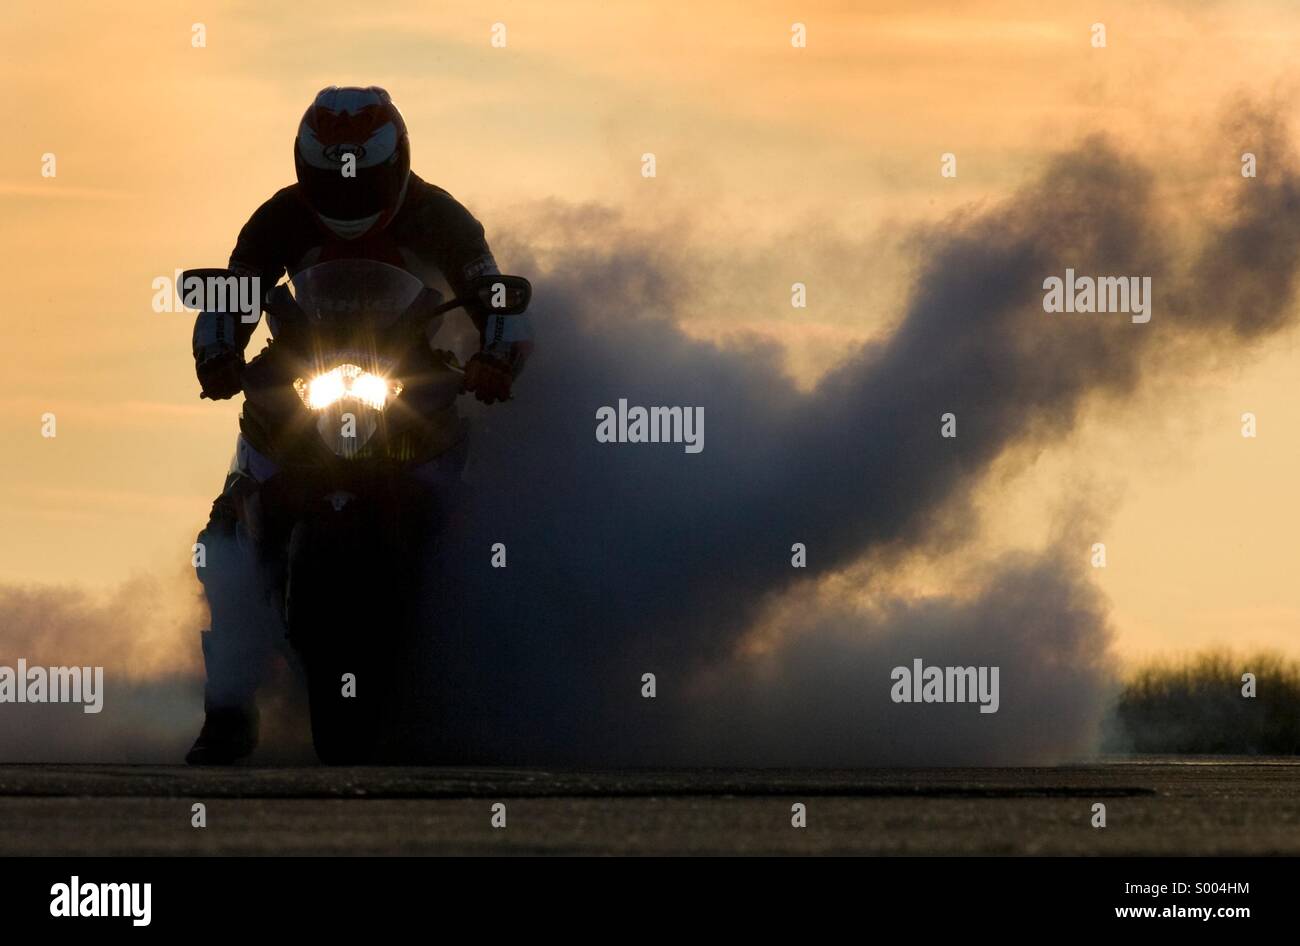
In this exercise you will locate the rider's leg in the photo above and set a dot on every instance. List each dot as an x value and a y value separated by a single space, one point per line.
244 629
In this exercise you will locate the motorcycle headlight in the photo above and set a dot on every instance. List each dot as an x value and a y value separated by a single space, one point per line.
347 382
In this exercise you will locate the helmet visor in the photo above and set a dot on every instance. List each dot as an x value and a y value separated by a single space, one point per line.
340 197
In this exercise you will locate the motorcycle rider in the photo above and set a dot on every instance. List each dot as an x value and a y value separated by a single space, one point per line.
380 211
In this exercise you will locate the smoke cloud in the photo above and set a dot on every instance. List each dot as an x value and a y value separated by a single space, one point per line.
633 559
637 559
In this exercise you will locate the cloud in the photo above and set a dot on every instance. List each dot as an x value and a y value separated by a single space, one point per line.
144 634
138 632
634 559
821 697
54 191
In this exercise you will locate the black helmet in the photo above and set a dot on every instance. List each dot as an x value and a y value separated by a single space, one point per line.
364 123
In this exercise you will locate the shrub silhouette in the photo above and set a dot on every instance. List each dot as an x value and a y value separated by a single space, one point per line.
1195 705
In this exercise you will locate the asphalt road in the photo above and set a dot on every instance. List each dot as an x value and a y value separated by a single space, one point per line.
1158 807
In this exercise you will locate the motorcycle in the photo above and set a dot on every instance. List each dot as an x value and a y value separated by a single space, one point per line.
343 412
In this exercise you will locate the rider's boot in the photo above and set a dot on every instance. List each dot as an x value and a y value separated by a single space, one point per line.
237 648
229 734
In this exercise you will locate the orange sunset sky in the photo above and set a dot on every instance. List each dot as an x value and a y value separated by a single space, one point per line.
164 149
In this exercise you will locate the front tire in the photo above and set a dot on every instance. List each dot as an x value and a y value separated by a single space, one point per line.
332 624
345 706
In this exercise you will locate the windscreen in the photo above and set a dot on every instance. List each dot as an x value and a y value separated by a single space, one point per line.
355 290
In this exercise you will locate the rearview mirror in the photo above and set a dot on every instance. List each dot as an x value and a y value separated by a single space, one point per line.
503 295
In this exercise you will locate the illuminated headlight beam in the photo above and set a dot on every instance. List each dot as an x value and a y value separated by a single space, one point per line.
346 382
